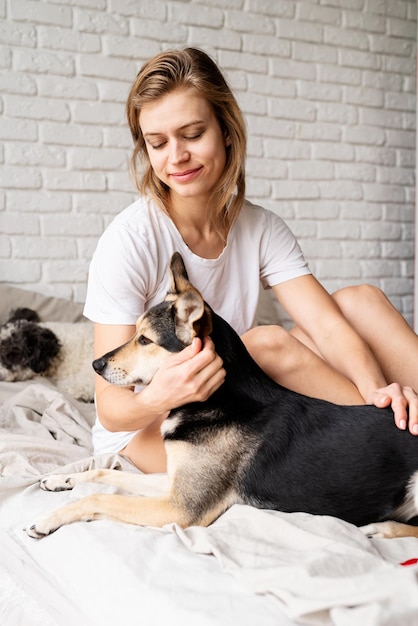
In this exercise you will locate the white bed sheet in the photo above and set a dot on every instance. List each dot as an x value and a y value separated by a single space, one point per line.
249 567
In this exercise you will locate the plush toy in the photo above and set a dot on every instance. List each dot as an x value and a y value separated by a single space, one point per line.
61 351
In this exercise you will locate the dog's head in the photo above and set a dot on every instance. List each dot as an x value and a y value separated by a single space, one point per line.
26 349
164 329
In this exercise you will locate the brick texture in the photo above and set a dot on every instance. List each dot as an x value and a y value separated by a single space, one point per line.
328 90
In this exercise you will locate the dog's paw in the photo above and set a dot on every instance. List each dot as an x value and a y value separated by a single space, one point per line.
372 530
41 528
381 530
57 482
389 530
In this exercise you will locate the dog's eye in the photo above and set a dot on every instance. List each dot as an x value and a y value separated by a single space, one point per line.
143 341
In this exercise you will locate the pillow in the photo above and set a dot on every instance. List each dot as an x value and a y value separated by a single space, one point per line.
49 308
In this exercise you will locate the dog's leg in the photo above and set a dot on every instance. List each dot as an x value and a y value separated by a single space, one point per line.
139 484
407 510
390 530
140 511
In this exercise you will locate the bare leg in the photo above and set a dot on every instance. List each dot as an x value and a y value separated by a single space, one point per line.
146 450
391 339
296 366
393 343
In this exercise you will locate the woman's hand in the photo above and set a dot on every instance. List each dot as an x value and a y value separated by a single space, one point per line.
191 375
404 403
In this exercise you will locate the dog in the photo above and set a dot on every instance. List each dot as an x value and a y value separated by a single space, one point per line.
252 442
60 351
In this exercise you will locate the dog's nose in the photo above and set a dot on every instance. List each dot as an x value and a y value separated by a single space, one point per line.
99 365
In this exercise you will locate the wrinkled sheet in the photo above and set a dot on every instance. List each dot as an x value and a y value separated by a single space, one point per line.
249 567
41 429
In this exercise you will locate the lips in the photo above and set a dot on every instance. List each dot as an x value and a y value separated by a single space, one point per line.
186 176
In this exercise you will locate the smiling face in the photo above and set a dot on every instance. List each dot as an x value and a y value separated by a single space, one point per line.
185 144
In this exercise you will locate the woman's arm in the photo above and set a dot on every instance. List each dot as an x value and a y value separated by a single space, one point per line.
189 376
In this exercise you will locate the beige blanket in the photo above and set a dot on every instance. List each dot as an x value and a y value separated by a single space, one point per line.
249 567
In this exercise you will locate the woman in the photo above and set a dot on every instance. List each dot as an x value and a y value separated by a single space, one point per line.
189 136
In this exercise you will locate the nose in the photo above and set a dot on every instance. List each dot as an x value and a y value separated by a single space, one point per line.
99 365
178 152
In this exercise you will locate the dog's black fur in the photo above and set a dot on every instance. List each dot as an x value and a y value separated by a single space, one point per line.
26 348
309 455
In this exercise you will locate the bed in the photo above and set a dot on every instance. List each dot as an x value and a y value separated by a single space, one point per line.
249 567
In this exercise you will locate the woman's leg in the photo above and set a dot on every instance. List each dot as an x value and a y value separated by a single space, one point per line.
392 341
368 310
382 327
146 450
290 362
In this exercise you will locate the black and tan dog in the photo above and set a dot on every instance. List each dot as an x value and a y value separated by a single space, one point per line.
252 442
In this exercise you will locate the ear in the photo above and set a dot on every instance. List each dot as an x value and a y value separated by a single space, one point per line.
193 317
179 280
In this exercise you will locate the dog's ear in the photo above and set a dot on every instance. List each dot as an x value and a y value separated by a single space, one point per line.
179 280
193 316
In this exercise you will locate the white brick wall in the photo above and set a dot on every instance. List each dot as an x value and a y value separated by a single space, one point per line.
328 89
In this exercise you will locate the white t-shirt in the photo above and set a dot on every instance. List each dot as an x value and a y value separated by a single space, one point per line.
128 272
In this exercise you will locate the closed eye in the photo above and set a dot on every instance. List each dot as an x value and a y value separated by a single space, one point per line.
194 137
144 341
158 146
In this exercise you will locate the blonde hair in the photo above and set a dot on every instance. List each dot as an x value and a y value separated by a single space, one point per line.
191 68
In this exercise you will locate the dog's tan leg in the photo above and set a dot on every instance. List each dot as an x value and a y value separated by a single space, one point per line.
390 530
139 511
139 484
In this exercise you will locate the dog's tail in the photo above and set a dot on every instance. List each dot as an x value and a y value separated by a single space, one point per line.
23 314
